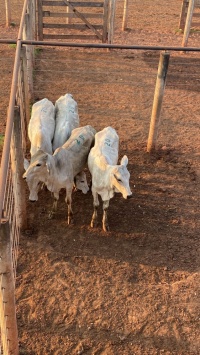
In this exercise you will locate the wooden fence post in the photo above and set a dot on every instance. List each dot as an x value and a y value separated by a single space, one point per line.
8 13
31 23
112 9
40 20
29 54
27 89
125 15
17 165
188 23
184 9
105 21
158 98
8 322
33 19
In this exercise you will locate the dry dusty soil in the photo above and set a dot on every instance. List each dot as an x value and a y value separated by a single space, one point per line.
135 289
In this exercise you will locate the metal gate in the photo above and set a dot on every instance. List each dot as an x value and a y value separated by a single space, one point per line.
71 20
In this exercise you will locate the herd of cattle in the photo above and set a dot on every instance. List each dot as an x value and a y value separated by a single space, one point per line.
60 151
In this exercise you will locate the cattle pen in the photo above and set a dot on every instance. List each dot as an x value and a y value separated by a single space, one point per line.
121 85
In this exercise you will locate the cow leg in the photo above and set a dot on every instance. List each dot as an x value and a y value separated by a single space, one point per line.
68 200
105 217
95 204
54 207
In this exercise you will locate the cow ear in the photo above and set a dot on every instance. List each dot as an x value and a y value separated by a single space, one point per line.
48 164
26 164
124 160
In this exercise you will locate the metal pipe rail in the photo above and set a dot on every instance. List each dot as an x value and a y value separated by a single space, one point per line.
111 46
101 45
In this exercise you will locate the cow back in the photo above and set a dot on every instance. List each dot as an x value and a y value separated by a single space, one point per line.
67 119
107 145
41 126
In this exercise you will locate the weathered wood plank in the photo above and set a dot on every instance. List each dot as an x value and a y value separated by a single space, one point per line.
74 26
77 4
83 19
48 36
62 14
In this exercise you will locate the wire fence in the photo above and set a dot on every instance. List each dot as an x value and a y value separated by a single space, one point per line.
12 188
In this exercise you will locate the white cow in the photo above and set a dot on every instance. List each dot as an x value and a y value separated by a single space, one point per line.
107 176
42 126
57 171
67 118
40 132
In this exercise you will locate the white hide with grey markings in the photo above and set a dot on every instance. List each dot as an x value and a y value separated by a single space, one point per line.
107 176
40 132
67 118
42 126
57 171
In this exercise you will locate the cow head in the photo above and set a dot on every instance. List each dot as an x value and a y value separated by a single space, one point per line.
120 178
81 182
37 171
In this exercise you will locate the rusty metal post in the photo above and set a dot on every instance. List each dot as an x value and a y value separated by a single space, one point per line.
158 98
8 322
17 165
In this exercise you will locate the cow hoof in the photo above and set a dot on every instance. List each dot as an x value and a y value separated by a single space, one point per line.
93 224
70 221
106 228
51 215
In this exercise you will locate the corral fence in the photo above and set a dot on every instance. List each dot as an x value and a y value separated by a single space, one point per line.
12 188
98 20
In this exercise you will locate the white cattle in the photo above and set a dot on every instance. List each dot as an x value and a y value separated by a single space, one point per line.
57 171
107 176
67 119
40 132
42 126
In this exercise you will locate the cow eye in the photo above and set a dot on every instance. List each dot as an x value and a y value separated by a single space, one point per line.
38 164
119 180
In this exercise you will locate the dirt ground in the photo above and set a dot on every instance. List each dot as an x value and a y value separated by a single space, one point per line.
133 290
